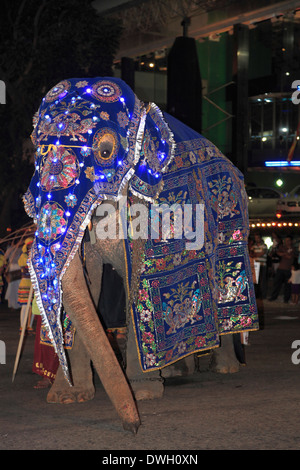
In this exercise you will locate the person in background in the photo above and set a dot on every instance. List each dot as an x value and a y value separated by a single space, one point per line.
2 261
295 283
258 252
25 283
273 256
287 255
13 274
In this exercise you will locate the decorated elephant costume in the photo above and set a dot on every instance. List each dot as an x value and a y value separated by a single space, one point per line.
97 142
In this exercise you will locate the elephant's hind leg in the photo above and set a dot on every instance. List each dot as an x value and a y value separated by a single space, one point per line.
145 385
81 371
224 360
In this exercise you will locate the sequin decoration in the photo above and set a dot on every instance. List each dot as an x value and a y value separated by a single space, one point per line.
107 91
60 169
58 91
51 222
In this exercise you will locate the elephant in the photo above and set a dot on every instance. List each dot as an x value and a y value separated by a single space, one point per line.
164 207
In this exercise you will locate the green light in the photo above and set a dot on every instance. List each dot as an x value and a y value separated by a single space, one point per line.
279 182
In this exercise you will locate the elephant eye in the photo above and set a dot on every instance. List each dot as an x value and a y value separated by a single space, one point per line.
106 150
106 145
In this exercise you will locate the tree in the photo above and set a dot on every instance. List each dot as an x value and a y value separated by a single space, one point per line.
43 42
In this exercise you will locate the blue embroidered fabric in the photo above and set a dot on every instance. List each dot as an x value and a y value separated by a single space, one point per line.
92 137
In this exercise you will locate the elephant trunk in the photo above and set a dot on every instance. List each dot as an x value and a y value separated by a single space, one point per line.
78 303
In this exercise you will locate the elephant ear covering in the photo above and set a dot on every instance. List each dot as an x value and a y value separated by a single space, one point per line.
88 135
157 151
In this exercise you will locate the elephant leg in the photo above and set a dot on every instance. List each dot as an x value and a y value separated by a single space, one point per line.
80 307
81 371
181 368
224 359
145 385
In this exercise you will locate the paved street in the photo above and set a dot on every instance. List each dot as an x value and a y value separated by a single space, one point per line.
257 408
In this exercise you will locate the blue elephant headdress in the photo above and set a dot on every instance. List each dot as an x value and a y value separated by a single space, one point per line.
92 136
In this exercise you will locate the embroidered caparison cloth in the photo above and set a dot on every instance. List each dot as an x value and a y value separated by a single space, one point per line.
186 298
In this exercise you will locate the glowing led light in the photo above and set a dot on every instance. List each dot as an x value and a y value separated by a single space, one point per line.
282 163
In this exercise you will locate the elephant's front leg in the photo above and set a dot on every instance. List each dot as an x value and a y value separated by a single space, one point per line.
80 362
81 372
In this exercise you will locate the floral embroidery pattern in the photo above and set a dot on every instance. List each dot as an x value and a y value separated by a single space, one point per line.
183 305
90 173
123 119
233 282
58 91
104 116
224 200
107 91
59 169
71 200
51 224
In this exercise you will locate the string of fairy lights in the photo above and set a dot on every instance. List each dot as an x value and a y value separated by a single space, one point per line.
53 156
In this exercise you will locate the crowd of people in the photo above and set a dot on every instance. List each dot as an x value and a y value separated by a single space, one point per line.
278 267
15 289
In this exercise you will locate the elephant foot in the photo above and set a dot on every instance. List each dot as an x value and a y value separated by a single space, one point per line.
224 360
147 389
181 368
225 368
73 395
